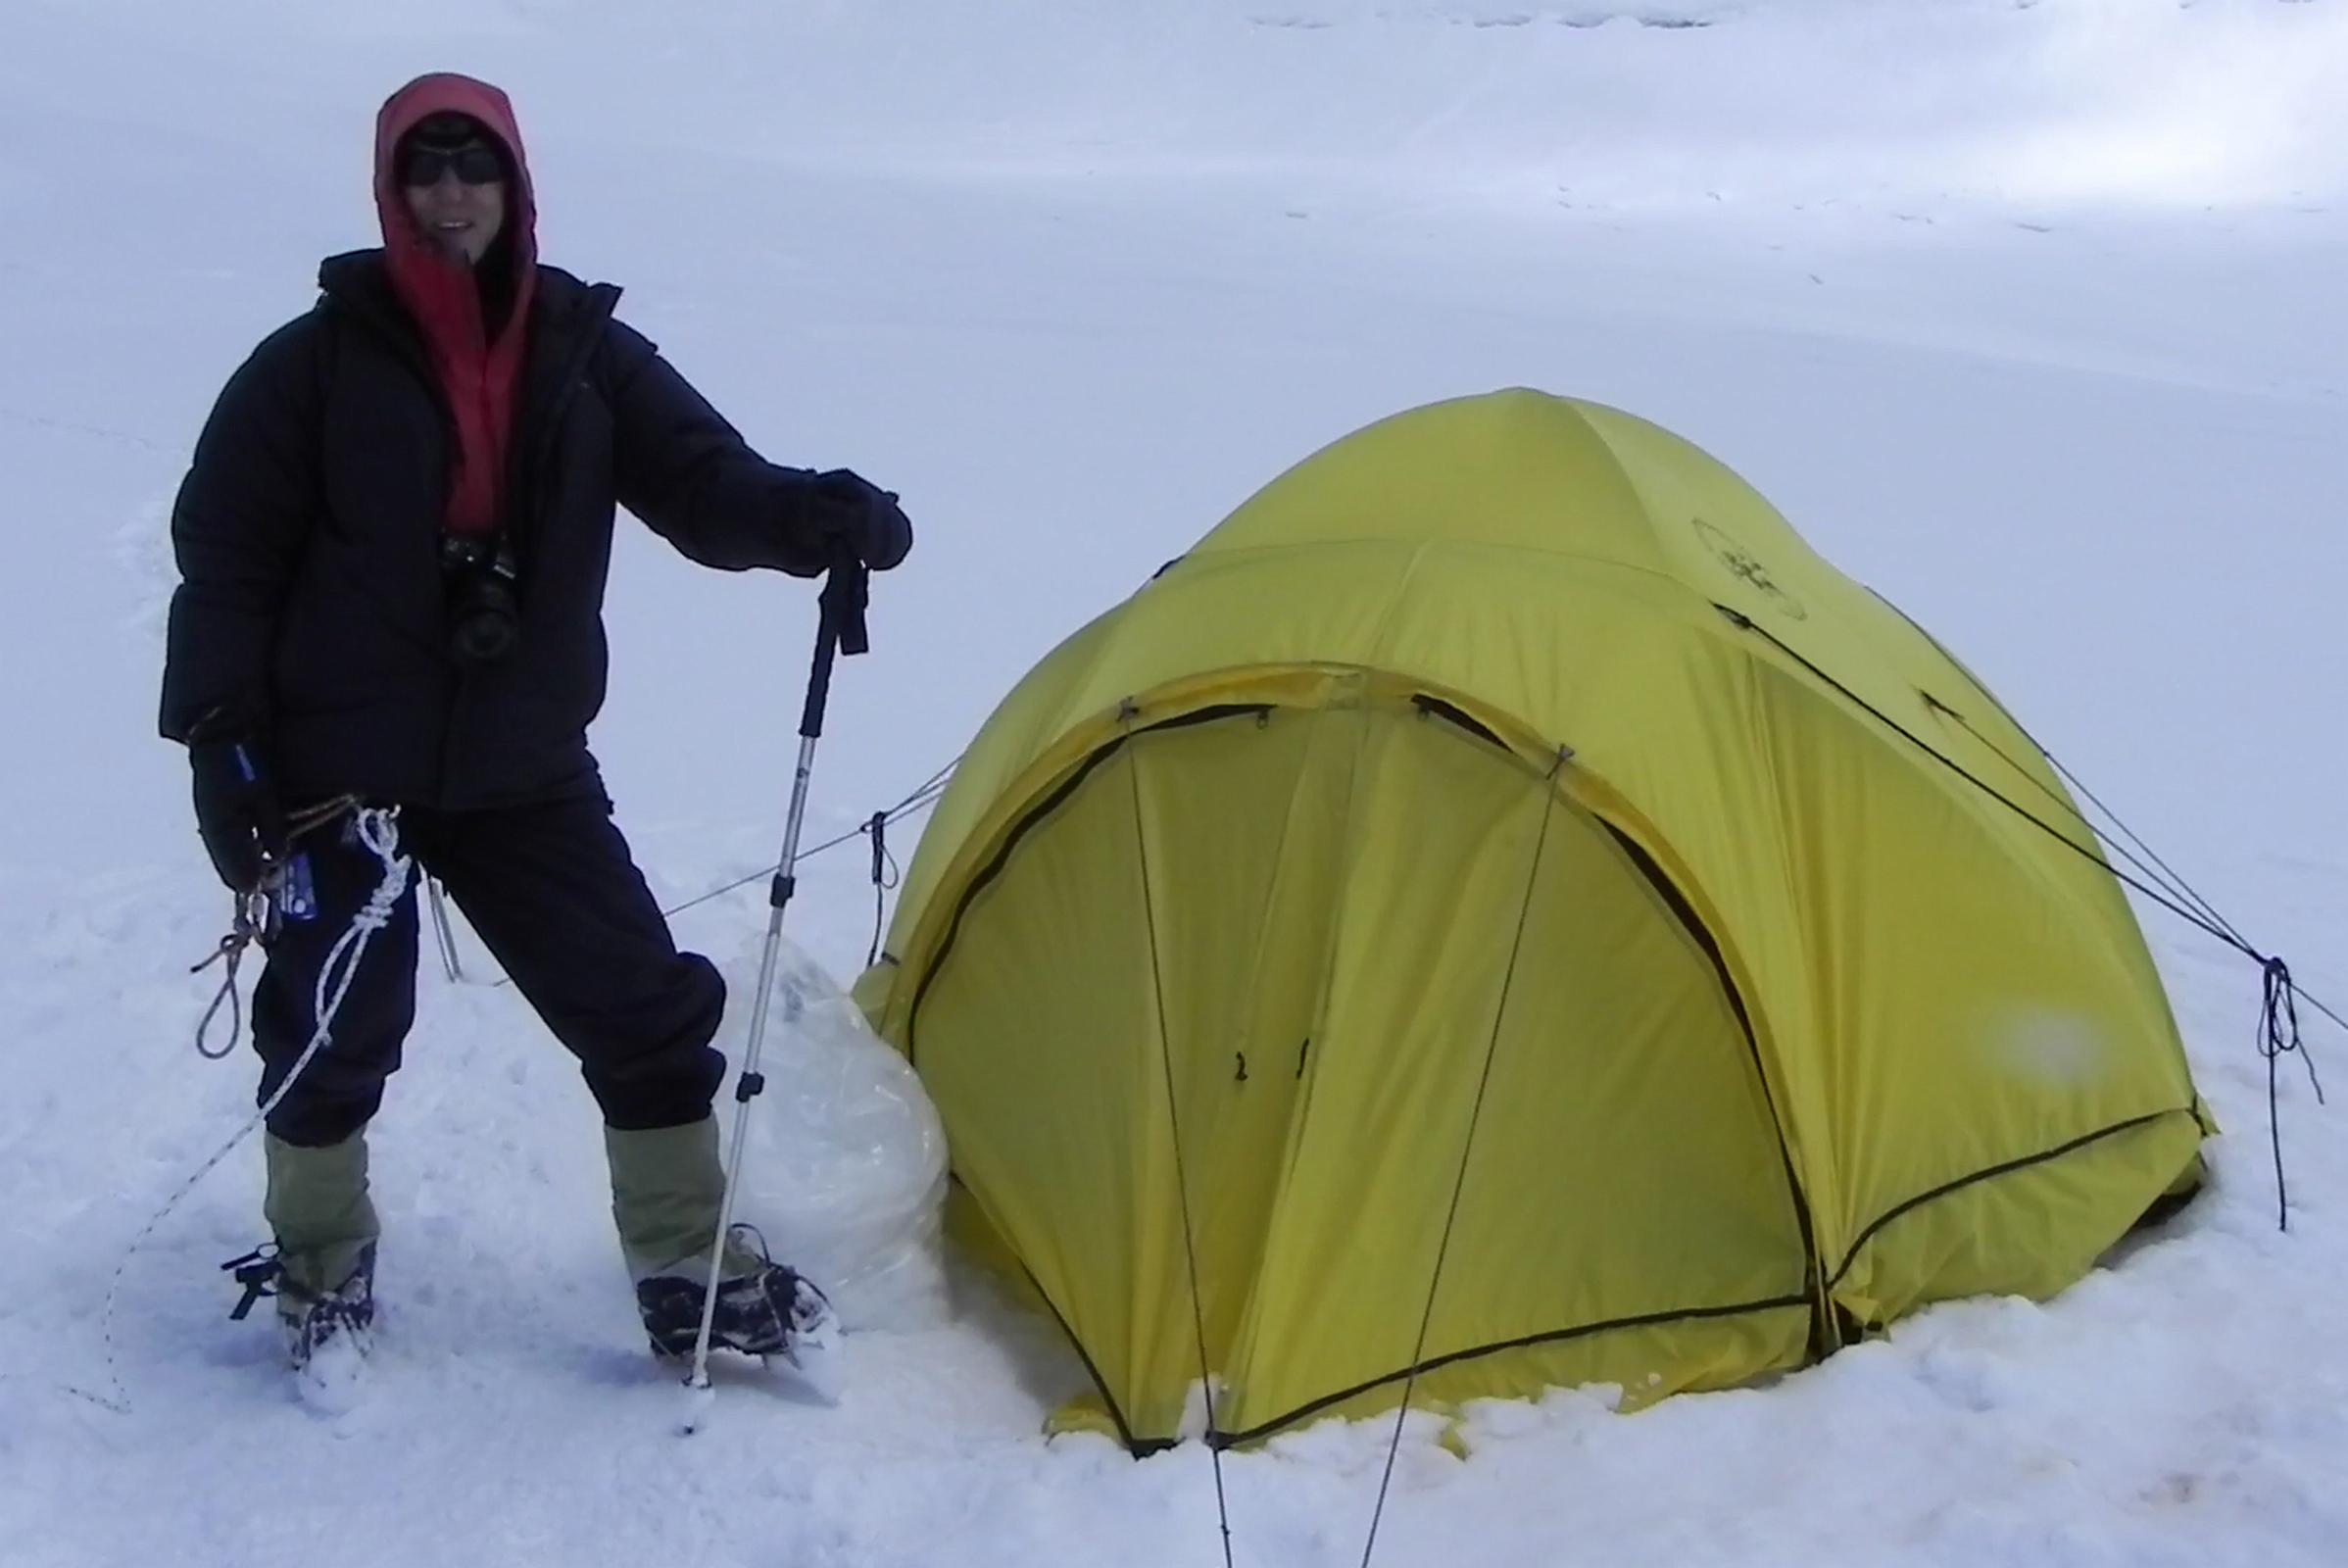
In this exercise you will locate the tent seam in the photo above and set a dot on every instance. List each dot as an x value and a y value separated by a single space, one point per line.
1501 1347
2004 1168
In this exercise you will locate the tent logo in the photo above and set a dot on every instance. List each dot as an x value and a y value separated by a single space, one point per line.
1747 568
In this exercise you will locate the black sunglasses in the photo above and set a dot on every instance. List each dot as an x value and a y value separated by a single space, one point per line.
476 162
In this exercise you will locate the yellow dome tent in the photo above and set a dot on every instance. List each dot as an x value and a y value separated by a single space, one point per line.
1501 906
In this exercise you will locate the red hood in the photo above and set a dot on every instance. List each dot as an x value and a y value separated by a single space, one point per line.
476 350
446 92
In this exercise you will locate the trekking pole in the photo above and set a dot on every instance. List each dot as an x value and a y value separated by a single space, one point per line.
839 628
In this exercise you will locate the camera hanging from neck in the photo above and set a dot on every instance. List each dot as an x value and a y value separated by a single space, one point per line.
480 574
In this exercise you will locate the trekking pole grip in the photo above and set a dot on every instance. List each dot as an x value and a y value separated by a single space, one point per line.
846 589
840 628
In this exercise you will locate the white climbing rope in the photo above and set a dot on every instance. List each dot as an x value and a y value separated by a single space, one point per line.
377 828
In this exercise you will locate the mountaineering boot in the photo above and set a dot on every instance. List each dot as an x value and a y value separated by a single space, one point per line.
668 1186
767 1309
324 1222
337 1319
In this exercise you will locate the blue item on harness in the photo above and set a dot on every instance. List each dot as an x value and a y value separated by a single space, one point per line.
297 900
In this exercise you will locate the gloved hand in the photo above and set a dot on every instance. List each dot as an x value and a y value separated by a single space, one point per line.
237 809
844 507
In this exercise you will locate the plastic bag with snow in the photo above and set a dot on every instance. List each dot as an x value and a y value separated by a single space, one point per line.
845 1172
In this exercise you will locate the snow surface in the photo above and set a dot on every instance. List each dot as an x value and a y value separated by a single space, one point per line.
2029 314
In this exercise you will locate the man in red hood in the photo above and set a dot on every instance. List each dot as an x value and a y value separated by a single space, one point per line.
393 543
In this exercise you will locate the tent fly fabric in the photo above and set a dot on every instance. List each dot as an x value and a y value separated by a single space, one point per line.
1501 912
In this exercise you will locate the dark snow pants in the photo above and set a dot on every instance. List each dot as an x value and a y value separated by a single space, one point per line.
553 892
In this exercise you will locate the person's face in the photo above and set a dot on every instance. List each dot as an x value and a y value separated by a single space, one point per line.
456 198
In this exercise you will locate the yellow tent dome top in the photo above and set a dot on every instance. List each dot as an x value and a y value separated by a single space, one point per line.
1512 470
1516 507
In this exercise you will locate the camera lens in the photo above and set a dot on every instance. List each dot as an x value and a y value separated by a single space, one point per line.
485 635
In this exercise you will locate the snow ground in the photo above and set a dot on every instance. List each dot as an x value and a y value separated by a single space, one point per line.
2028 316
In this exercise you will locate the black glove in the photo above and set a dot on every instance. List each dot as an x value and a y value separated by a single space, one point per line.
237 810
845 507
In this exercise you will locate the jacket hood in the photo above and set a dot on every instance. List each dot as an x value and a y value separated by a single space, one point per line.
475 319
441 93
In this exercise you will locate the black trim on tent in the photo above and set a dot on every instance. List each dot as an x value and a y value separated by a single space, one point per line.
1020 829
1227 1440
2026 1161
1822 1340
1205 716
986 876
1139 1448
1436 708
